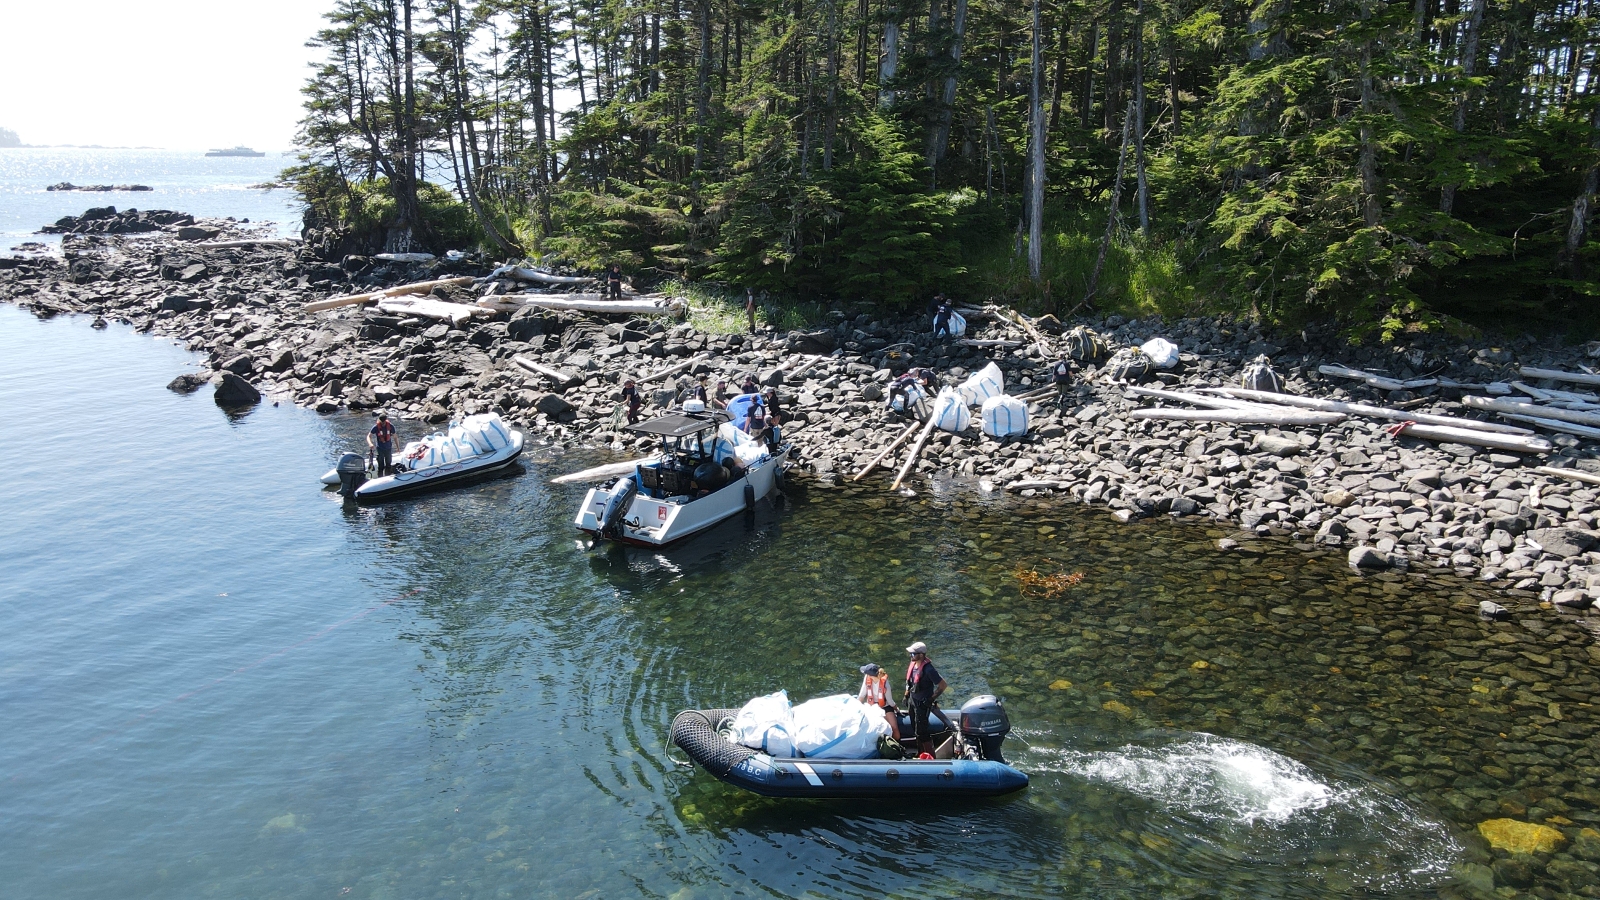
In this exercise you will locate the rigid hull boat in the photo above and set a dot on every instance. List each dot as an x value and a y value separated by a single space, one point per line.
973 767
686 489
414 481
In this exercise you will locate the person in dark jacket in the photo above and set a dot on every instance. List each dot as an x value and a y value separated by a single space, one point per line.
924 684
630 396
941 320
614 282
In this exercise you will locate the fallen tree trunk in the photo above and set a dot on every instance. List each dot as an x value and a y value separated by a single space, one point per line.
1378 381
1555 425
1496 440
428 308
534 275
591 303
1558 375
1365 409
1037 484
1517 407
555 375
420 287
670 371
232 245
1240 416
987 343
885 451
922 441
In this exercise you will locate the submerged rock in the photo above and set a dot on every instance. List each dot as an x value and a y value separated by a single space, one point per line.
187 383
1521 837
233 391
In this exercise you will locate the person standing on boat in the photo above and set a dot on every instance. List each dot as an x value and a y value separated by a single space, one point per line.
630 396
924 684
875 692
614 282
381 439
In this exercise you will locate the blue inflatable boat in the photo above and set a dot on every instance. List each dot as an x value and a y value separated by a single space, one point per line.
976 768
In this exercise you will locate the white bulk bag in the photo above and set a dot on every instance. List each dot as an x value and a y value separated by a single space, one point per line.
983 384
1005 416
447 450
494 430
767 724
472 435
1162 352
950 412
837 727
733 442
958 324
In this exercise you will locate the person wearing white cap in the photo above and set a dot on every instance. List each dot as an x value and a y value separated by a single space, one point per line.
923 687
875 693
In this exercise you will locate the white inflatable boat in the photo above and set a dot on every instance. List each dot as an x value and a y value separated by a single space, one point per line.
476 448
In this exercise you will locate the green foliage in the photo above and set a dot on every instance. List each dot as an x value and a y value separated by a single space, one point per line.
365 210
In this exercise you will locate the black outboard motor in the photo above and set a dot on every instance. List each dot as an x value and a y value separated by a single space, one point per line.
984 725
352 469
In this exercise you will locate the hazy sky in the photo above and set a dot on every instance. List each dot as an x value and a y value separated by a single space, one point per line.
179 74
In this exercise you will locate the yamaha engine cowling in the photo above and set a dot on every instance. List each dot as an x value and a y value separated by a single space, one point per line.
985 725
352 469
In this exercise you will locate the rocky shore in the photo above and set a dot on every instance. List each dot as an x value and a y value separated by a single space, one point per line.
1392 502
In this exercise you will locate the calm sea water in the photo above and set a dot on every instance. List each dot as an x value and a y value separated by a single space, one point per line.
218 681
190 182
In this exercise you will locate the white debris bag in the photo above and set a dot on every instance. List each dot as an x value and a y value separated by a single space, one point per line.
958 324
838 727
1005 416
950 412
735 443
766 724
983 384
1162 352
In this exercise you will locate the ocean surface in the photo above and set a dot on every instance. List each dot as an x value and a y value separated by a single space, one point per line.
220 681
189 182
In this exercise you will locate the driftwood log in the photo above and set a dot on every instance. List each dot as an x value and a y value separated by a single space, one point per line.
555 375
1364 409
1380 382
911 460
1558 375
420 287
1495 440
1519 408
885 452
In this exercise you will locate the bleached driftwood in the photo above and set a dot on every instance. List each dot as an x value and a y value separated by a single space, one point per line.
1364 409
555 375
1239 416
601 473
806 366
1380 382
1496 440
591 303
1558 375
429 308
1570 474
885 451
1555 425
911 460
534 275
420 287
670 371
988 343
1517 407
1037 484
406 257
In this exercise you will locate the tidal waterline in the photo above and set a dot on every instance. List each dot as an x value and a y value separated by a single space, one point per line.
218 681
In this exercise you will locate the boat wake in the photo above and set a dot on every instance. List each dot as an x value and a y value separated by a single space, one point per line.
1229 801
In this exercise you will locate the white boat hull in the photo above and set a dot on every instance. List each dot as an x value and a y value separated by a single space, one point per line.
653 522
415 481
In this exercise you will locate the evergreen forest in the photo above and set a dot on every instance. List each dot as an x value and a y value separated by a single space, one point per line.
1386 166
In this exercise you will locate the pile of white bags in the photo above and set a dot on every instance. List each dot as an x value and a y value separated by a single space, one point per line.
1005 416
1162 352
733 442
836 727
478 435
983 384
950 412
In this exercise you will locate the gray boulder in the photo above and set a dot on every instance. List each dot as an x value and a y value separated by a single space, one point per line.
1494 612
243 364
187 383
233 391
1562 541
1277 445
1367 558
553 405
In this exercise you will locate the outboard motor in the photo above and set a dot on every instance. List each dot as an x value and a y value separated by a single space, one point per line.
984 725
352 469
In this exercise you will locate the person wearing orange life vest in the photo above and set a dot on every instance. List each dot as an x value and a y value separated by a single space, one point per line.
875 692
924 684
380 438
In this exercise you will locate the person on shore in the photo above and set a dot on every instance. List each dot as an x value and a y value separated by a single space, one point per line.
941 319
875 692
630 396
721 397
1061 377
901 388
923 687
380 438
698 391
614 282
749 386
769 397
750 307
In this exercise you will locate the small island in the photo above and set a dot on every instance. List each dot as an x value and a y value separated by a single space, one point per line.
240 150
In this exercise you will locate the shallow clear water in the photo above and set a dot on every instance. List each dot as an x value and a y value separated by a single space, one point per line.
190 182
218 681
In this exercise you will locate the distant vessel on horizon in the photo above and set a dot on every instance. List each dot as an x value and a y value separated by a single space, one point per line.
240 150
